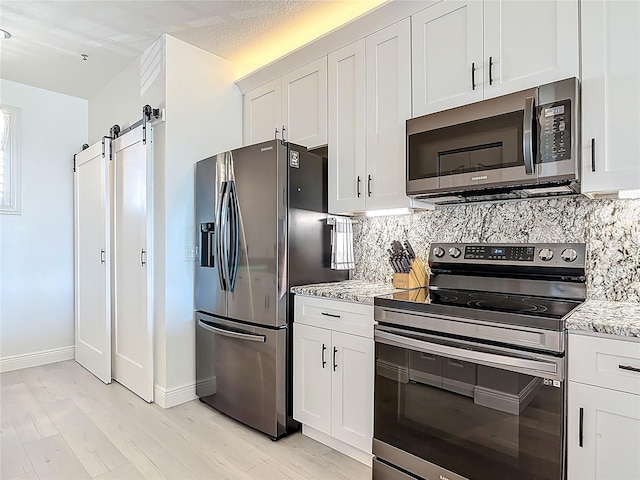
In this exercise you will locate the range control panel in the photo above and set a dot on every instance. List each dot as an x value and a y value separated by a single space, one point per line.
521 253
538 254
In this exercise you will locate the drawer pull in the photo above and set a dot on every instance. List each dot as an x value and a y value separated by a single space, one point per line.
324 348
629 367
335 365
581 428
330 315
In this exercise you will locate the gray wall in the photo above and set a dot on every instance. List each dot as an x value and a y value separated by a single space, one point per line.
610 228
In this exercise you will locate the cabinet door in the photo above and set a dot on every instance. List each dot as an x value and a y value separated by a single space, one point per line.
304 104
447 56
610 96
611 434
388 77
528 44
347 182
352 390
262 113
312 376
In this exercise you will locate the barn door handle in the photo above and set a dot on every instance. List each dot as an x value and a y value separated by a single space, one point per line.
143 261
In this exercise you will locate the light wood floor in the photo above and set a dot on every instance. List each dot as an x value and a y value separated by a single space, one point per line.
59 422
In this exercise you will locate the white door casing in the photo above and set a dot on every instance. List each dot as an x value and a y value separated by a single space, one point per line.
133 262
92 283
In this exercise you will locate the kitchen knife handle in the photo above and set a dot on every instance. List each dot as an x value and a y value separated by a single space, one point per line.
581 428
335 365
324 348
358 187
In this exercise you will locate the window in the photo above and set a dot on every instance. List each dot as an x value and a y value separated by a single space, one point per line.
9 159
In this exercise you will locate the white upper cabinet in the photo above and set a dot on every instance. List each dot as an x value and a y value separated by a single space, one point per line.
465 51
388 92
369 103
262 113
528 43
347 181
304 104
610 96
447 56
297 102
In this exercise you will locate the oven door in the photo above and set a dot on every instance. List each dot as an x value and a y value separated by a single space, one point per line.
458 410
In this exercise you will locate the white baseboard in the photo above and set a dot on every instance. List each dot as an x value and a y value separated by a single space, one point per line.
34 359
339 445
171 397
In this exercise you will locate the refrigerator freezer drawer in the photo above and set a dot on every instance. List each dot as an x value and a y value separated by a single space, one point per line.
241 371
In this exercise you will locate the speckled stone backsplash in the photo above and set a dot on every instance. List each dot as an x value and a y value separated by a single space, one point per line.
610 228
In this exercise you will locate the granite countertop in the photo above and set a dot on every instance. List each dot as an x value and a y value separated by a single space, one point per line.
352 290
614 318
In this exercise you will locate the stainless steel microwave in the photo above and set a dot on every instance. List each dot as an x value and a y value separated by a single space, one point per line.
521 145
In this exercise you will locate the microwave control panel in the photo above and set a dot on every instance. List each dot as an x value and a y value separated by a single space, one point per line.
554 131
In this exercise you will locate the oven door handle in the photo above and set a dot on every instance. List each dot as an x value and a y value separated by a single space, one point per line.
484 358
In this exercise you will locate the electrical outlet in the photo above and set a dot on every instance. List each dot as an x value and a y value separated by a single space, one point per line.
190 254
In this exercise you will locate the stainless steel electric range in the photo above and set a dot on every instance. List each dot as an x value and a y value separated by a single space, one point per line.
470 372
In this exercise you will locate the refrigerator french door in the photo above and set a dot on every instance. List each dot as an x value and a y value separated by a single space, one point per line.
261 221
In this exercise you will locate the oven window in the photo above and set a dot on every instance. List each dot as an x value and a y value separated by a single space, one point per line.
485 144
477 421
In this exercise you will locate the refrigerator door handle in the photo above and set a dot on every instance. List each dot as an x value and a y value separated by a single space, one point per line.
234 235
231 333
221 222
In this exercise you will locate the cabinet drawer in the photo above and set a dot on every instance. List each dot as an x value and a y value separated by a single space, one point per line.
610 363
341 316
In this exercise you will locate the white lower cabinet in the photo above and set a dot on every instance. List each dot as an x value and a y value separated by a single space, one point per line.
603 418
333 375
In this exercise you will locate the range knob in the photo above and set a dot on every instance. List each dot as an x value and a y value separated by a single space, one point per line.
545 254
569 255
454 252
438 252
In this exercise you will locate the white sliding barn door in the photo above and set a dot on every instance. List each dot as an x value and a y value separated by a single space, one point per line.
132 263
92 282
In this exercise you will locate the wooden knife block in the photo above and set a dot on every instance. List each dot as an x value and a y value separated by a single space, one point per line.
417 276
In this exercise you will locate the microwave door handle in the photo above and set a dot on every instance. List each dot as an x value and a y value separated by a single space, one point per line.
483 358
527 135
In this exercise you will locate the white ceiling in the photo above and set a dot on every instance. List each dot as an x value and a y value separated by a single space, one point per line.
48 37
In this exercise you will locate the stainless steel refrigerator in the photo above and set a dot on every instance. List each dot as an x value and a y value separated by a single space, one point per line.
261 223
